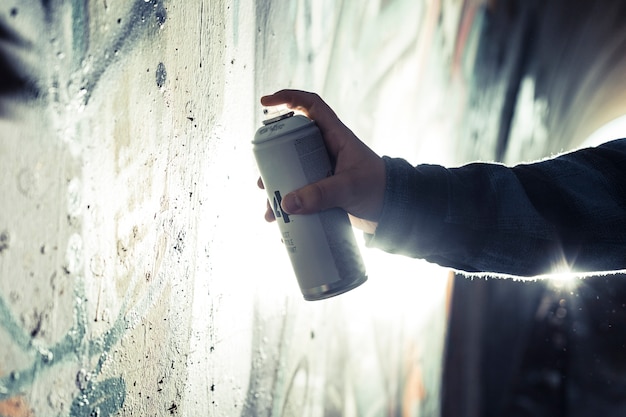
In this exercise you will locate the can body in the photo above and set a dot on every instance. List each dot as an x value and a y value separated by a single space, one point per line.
290 154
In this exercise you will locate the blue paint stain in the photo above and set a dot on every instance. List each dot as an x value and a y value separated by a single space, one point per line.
160 14
107 395
16 333
80 32
144 19
102 399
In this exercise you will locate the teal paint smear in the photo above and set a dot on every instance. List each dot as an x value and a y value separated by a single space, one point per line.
16 333
80 33
102 399
43 358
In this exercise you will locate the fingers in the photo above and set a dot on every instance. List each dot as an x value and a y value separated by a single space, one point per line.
304 101
269 213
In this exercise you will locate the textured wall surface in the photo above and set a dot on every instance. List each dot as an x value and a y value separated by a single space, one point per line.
137 276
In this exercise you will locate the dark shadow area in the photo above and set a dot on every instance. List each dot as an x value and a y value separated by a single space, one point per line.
16 79
534 348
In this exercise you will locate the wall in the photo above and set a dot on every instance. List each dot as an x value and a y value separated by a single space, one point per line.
137 276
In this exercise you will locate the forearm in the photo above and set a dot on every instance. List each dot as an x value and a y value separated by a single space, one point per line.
526 220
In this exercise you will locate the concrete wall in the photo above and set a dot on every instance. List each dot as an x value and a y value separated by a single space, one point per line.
137 276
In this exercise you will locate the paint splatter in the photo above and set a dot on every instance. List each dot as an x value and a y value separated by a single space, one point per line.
161 75
4 241
160 14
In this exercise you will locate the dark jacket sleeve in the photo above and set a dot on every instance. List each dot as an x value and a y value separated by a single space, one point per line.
560 214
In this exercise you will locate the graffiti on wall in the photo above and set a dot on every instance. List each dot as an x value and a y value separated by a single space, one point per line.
29 33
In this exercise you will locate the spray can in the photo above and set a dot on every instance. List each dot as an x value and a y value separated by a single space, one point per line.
290 154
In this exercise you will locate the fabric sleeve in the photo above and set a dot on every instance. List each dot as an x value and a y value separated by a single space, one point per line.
564 213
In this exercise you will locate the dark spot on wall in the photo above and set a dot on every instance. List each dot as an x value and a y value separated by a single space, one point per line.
161 75
180 242
4 241
13 12
17 75
38 323
121 248
160 14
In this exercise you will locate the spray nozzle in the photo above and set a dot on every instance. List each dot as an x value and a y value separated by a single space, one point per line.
276 113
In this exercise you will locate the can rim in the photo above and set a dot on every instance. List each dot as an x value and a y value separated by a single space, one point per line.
277 129
333 289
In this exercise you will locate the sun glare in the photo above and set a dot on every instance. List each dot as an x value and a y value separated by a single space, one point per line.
563 276
615 129
398 286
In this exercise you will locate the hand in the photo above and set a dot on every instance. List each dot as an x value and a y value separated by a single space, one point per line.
358 185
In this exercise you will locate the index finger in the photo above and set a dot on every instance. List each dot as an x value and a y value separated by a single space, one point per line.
308 103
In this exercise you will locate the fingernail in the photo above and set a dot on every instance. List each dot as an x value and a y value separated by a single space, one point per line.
291 203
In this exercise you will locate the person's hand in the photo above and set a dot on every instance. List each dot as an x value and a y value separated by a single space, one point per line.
358 185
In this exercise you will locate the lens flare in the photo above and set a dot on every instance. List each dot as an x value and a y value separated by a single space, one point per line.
563 277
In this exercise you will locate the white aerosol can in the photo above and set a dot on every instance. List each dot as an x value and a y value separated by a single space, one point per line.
290 154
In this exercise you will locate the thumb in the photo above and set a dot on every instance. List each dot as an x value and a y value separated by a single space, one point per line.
315 197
